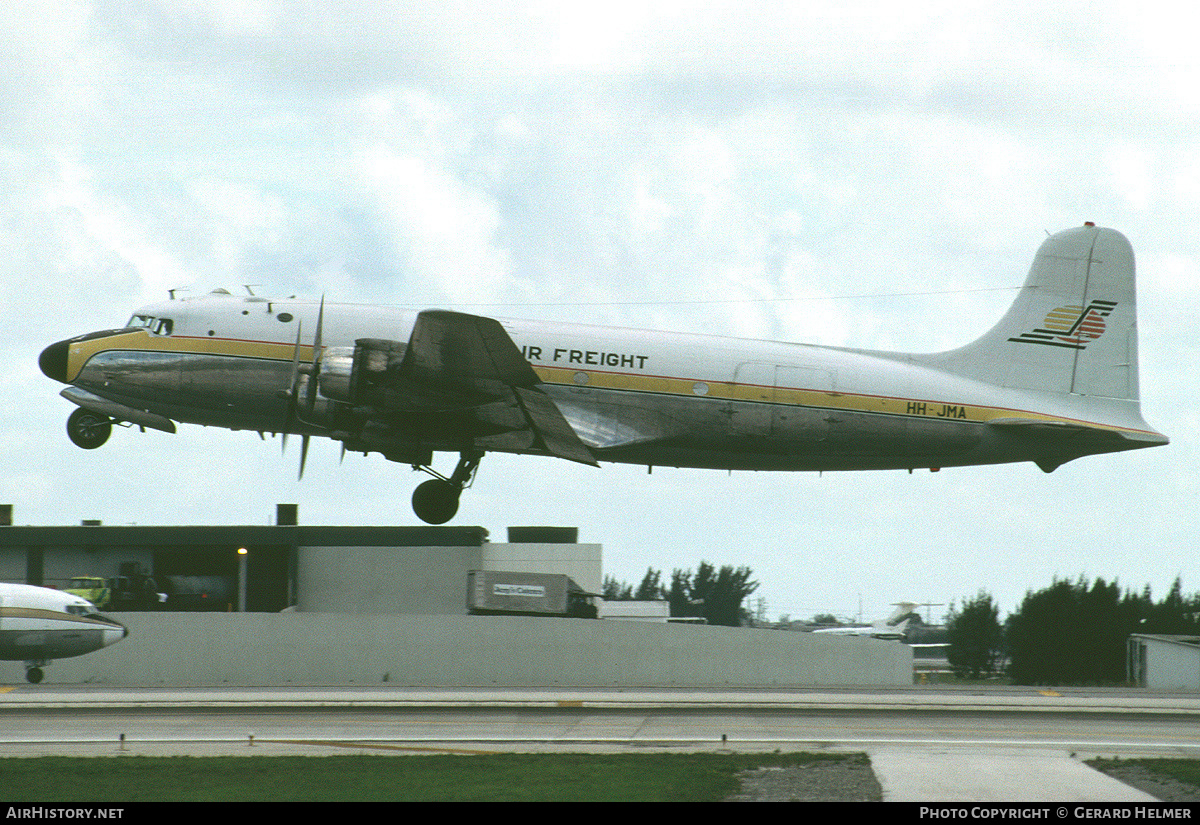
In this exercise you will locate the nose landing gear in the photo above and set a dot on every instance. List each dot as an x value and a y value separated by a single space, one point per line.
88 429
436 501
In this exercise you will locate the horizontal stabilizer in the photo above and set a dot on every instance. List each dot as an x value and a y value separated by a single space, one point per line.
1060 441
1060 428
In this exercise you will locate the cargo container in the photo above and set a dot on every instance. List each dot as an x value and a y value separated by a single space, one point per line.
498 592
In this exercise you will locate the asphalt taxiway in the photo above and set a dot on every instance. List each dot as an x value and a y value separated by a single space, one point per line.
926 744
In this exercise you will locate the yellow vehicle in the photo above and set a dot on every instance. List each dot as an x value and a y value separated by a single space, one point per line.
93 588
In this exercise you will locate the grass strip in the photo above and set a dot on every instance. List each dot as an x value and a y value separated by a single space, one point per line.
541 777
1183 773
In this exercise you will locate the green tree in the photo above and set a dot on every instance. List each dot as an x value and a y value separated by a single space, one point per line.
975 638
1175 614
716 595
712 594
651 588
680 595
1075 632
615 591
1042 636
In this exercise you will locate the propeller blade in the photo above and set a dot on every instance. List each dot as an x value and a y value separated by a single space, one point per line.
310 394
312 370
320 326
293 387
303 456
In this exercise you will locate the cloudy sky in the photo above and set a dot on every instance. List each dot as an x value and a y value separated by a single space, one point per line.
847 174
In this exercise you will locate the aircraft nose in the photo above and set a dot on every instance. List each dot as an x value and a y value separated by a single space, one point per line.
53 361
116 634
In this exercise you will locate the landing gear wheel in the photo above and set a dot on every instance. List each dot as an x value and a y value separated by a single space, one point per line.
88 429
34 675
436 501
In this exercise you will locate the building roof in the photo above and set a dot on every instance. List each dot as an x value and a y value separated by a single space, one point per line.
300 536
1190 641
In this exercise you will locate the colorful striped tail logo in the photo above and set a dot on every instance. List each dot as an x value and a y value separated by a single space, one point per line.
1070 327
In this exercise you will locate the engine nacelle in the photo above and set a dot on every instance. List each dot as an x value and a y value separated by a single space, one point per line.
336 378
354 374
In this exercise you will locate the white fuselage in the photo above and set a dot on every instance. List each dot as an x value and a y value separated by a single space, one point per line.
632 396
38 624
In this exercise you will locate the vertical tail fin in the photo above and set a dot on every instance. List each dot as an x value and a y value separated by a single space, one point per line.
1072 328
902 609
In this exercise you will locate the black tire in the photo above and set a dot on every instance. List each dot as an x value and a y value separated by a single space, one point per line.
34 675
88 429
435 501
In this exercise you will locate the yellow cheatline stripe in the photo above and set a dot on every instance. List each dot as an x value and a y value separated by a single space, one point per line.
52 615
819 399
143 340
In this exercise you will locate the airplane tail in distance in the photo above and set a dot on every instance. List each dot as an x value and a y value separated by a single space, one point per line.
902 610
1072 328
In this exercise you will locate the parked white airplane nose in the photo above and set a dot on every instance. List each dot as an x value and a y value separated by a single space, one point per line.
116 634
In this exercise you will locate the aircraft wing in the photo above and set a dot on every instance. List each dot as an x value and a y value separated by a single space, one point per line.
465 352
472 356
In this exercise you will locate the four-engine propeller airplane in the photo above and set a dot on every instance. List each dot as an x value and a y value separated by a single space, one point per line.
1054 380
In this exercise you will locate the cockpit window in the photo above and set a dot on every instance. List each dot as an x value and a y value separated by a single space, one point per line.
81 609
158 326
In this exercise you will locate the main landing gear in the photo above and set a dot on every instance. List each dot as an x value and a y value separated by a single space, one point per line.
88 429
33 671
436 501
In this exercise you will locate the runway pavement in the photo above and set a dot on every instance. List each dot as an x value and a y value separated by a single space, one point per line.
925 744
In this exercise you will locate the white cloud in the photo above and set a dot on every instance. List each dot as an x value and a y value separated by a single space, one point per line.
443 231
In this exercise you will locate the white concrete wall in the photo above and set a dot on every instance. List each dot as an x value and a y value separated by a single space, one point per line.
421 580
1171 666
582 562
426 580
204 649
653 611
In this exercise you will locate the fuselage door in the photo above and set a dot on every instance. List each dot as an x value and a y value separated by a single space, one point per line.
802 396
750 412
